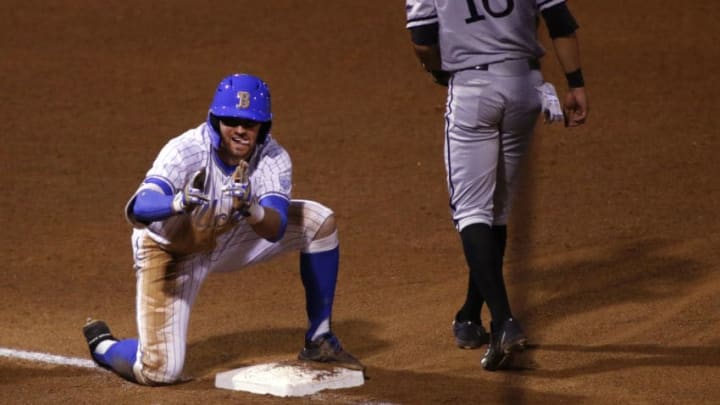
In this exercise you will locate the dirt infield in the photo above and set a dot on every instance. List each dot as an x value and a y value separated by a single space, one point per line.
613 253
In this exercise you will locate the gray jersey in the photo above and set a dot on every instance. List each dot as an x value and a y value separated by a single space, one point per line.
479 32
270 174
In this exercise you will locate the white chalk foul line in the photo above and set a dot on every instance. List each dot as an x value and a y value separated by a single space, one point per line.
46 358
76 362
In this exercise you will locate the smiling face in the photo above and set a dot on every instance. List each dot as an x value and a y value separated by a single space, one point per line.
238 137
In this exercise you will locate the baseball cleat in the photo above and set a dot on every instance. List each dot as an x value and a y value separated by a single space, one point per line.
504 341
327 349
95 332
469 334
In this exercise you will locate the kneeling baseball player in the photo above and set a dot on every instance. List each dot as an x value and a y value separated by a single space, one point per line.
217 198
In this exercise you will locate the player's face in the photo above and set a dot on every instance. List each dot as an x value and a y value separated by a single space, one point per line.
238 139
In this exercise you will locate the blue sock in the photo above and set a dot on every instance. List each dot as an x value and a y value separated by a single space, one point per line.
319 275
120 358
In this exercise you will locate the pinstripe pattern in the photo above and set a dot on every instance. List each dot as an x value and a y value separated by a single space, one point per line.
173 257
270 174
242 247
167 284
166 289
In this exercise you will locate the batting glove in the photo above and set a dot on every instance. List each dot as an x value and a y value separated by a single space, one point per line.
551 108
192 194
244 200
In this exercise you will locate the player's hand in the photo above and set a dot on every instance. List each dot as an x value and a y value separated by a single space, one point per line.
192 194
241 189
576 107
244 200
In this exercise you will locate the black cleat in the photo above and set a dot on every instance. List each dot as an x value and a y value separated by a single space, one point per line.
95 332
469 334
504 341
327 349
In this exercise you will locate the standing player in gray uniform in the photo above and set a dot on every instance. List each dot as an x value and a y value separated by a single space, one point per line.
217 199
487 53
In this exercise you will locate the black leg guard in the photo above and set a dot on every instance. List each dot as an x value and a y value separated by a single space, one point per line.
482 255
470 310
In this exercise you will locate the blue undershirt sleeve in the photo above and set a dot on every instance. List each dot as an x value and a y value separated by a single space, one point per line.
151 206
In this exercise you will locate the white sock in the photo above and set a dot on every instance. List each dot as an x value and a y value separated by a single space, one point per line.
103 346
323 328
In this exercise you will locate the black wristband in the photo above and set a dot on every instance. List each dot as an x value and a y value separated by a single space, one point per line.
575 78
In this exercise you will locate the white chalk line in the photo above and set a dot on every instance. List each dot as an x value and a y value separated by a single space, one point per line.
46 358
84 363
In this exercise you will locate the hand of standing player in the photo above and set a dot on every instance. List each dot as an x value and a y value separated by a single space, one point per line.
576 106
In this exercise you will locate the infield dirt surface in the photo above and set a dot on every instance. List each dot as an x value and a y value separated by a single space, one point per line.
612 263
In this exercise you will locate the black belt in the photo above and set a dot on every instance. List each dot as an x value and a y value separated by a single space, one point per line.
533 64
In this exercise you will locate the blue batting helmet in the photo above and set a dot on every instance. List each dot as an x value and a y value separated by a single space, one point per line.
241 96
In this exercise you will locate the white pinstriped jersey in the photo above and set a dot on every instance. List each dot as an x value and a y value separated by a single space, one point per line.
270 170
479 32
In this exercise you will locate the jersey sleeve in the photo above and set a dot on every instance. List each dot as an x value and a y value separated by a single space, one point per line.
175 163
420 12
177 160
273 176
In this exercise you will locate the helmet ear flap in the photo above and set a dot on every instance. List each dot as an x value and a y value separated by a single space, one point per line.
214 122
214 130
264 131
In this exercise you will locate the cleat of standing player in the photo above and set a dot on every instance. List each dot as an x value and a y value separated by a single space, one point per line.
469 335
505 340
